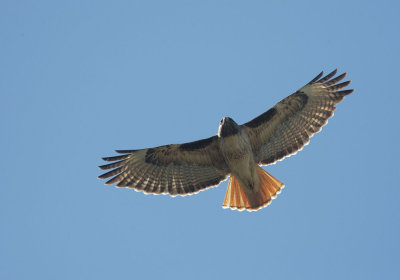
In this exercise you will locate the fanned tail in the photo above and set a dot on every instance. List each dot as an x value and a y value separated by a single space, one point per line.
237 198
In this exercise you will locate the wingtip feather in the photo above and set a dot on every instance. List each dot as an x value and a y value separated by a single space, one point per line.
345 92
338 86
112 181
327 77
335 80
109 182
316 78
115 158
125 151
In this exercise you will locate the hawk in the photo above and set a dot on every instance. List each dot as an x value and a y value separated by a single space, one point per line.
236 151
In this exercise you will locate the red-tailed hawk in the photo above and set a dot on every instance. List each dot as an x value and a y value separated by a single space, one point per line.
236 151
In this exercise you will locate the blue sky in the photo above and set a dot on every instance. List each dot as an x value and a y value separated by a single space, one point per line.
79 79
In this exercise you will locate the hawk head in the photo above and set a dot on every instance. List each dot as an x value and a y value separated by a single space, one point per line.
227 127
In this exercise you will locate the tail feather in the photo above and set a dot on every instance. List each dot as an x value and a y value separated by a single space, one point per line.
237 198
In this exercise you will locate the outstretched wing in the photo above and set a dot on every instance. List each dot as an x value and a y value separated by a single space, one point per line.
174 169
287 127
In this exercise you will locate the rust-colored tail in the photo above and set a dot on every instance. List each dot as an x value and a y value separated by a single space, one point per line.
237 198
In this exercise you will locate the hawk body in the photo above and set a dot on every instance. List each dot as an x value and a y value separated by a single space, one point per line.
236 151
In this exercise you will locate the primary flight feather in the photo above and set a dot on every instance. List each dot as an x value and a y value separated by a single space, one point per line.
236 151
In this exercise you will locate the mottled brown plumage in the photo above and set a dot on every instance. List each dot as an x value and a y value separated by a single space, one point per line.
236 151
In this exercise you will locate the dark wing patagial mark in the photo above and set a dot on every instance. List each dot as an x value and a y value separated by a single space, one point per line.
265 117
149 157
199 144
297 100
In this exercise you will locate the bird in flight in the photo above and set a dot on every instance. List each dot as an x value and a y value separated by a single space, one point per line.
236 151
